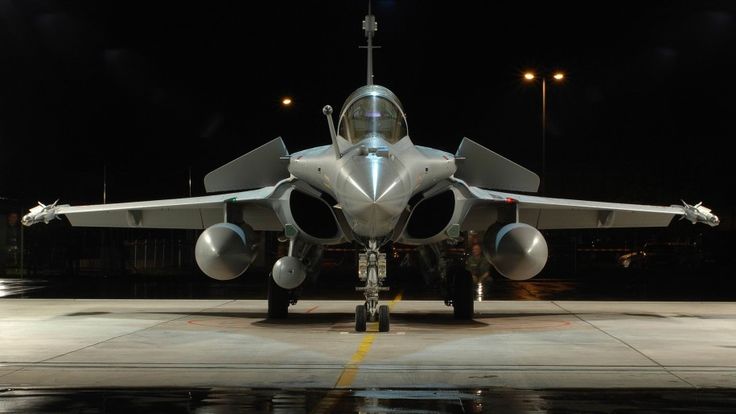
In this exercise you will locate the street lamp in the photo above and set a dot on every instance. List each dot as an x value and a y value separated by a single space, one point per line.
557 77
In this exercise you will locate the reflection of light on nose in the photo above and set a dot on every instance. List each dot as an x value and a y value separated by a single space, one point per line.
374 176
479 292
393 184
3 291
357 187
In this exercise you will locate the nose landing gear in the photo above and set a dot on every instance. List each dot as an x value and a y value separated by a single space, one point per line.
372 271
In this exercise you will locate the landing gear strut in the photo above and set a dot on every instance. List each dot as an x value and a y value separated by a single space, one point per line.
372 271
279 300
463 301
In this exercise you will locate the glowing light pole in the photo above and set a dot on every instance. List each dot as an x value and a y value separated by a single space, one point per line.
558 77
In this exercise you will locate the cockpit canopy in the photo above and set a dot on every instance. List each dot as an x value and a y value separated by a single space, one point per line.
372 112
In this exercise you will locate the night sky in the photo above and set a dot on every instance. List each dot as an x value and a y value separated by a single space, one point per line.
150 89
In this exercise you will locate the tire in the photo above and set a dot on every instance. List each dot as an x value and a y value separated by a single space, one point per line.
361 317
463 302
278 300
384 321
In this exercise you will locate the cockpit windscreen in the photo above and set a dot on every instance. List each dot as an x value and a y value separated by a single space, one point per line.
373 116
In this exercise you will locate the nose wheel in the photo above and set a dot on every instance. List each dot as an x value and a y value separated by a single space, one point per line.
372 271
361 318
384 323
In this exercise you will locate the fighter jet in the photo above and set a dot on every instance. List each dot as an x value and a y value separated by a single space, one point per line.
370 186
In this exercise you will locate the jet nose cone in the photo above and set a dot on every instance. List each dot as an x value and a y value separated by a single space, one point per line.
373 192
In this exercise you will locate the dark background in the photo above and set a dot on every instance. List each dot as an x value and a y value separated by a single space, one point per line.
645 114
149 90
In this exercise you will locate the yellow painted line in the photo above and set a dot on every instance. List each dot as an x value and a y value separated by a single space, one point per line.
351 369
396 300
347 376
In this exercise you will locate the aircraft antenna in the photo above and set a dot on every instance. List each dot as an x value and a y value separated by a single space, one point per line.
370 27
327 110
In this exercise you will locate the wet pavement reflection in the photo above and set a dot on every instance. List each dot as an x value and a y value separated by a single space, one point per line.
695 287
216 401
19 287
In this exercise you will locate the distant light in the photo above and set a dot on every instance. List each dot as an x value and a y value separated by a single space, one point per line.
286 101
529 76
559 76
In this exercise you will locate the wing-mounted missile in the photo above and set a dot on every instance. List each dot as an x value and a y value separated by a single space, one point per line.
699 213
42 213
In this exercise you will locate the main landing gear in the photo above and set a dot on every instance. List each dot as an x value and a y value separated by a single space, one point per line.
279 300
460 292
463 302
372 271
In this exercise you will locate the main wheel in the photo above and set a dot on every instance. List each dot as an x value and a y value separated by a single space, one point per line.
384 321
463 301
278 300
361 317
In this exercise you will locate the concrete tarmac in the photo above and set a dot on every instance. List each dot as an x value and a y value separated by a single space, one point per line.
229 343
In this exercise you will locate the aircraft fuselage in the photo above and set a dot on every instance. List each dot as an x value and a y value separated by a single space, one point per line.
375 169
374 180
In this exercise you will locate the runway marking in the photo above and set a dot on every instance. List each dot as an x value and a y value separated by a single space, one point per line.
603 331
347 376
351 369
396 300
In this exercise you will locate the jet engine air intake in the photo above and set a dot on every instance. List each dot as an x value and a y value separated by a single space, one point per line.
431 216
517 250
313 215
224 251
